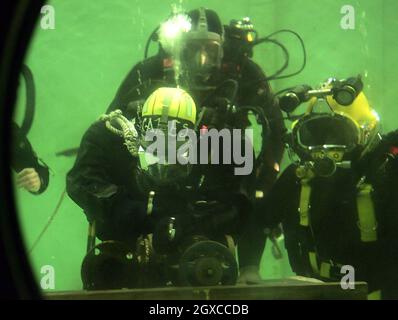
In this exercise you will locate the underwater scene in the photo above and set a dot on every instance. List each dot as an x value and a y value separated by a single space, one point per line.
209 143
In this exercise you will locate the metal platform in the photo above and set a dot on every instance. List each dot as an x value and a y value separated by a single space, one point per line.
268 290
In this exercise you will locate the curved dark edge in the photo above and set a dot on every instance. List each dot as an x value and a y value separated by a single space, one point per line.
18 18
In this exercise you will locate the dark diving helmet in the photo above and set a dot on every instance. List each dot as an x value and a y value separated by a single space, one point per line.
202 50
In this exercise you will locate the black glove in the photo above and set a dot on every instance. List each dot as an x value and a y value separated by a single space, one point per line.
130 217
219 114
215 217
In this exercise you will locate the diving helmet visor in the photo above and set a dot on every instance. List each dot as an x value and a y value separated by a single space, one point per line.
326 130
201 57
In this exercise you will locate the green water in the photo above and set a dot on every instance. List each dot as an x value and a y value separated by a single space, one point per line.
79 65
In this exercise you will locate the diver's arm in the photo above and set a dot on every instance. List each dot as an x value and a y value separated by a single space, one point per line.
258 93
26 163
130 81
90 185
134 85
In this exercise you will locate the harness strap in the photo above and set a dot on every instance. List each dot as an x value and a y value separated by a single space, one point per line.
313 262
325 270
305 196
231 244
367 223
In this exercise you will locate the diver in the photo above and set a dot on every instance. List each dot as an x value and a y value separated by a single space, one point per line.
213 64
32 173
338 200
128 193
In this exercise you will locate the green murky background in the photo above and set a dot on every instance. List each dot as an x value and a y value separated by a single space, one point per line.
79 65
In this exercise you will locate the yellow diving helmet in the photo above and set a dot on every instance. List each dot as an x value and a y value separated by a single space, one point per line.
170 103
332 134
168 112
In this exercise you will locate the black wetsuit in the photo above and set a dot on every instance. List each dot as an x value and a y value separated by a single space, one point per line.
23 156
334 220
105 182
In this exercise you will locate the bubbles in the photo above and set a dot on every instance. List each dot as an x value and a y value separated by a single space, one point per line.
171 34
174 28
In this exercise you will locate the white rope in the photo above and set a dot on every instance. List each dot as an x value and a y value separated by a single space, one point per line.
128 131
